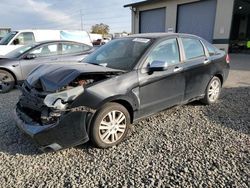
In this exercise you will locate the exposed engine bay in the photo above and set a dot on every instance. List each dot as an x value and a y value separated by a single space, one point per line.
47 107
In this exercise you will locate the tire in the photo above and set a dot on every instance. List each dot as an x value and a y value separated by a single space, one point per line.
7 81
104 132
213 91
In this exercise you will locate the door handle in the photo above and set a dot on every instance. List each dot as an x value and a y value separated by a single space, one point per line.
206 61
178 69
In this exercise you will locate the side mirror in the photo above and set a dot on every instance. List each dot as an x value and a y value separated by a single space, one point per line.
16 42
158 66
30 56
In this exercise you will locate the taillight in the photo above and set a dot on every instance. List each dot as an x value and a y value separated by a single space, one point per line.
228 58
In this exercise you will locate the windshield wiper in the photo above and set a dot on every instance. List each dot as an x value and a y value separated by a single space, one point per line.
101 64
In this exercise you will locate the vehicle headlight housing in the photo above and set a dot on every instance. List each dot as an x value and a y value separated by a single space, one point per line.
59 101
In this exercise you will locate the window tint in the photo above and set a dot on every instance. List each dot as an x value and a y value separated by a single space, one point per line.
211 49
26 38
193 48
68 48
167 51
45 50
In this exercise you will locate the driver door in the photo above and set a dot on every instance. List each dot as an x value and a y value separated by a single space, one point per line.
38 56
161 89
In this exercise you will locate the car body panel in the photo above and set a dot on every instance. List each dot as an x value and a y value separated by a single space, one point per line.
12 66
65 136
170 84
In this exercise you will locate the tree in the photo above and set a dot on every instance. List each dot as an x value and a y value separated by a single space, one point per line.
100 29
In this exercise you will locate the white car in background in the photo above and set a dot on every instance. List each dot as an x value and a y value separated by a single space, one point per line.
15 39
106 40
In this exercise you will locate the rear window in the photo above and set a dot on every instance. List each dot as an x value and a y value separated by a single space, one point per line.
193 48
212 50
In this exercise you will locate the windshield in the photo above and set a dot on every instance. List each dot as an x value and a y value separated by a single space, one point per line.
7 38
20 51
121 54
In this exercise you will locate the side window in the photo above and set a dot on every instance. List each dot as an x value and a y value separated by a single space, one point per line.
167 51
25 38
210 48
193 48
68 48
45 50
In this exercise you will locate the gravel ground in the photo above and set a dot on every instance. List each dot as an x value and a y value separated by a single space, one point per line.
191 145
186 146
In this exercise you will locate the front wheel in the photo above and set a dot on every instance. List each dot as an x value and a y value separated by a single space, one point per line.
213 91
110 125
7 81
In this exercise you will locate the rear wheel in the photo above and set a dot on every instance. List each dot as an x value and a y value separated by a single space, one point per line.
110 125
7 81
213 91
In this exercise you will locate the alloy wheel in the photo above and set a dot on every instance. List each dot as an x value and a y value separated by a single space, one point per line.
214 91
112 127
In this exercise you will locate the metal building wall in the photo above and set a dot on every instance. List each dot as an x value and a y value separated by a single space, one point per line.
197 18
152 20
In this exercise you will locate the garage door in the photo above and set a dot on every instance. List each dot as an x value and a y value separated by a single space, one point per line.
197 18
153 20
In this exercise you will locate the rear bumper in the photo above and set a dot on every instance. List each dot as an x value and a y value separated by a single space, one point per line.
69 131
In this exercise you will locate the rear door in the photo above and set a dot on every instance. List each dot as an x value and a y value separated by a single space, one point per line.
162 89
197 67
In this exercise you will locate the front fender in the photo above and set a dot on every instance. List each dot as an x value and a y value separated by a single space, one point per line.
122 87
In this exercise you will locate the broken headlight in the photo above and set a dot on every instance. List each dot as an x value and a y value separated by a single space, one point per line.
59 101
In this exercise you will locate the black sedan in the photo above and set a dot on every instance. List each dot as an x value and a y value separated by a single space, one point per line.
121 82
16 65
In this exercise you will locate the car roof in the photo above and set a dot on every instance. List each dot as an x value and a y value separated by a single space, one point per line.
159 35
54 41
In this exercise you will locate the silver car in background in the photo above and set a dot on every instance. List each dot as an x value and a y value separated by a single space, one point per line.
16 65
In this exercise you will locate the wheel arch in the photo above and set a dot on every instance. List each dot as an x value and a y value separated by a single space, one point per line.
220 76
127 105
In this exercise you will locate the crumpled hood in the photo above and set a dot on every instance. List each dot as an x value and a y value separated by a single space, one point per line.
52 77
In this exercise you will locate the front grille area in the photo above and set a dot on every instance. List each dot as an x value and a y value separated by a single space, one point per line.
31 103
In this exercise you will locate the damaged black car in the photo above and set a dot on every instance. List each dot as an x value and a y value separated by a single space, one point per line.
127 79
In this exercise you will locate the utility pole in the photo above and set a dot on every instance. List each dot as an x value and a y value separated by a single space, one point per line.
81 19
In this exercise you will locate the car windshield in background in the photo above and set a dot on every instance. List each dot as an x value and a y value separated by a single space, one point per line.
121 54
7 38
19 51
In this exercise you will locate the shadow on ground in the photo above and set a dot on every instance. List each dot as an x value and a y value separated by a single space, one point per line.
231 111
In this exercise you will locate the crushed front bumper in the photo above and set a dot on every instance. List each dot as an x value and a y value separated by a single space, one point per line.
70 130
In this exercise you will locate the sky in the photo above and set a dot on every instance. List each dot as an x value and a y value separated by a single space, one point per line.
65 14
